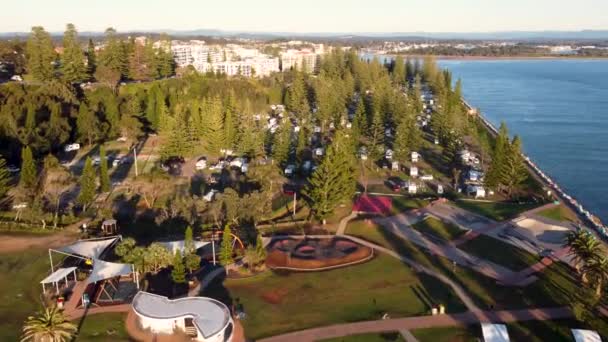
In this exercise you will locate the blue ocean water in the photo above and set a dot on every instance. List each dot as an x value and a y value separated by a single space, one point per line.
558 107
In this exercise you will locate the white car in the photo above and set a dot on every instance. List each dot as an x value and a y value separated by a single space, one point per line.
426 177
17 78
289 170
121 139
71 147
13 169
210 195
238 162
201 164
319 151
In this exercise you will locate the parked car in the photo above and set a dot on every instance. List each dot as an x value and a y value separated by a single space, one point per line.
13 168
121 139
210 195
201 163
289 189
173 165
71 147
290 170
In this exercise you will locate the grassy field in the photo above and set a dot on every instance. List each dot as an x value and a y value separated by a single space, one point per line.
448 334
20 275
384 337
558 213
498 211
531 331
103 327
278 303
558 285
439 229
401 204
499 252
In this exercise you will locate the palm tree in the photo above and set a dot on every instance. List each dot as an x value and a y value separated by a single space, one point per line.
597 269
583 248
48 326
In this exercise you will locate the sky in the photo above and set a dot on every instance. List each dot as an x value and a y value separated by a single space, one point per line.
344 16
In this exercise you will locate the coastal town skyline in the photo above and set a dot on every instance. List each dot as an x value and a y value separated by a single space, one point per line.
335 17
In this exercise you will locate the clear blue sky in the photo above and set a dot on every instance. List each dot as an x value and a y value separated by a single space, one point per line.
307 15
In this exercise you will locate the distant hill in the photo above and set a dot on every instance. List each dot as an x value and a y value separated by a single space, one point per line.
355 36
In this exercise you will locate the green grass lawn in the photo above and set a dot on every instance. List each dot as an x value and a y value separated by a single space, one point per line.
401 204
499 252
558 285
384 337
530 331
20 289
449 334
498 211
558 213
103 327
278 303
439 229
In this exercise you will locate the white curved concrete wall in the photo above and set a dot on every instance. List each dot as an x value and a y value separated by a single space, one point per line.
168 326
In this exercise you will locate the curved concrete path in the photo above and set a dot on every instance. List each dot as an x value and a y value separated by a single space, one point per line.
391 325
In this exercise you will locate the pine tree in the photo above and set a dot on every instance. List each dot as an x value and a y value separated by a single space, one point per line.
40 54
214 131
259 248
5 178
29 172
87 125
72 60
494 177
375 137
112 115
87 185
297 96
514 172
151 113
334 181
104 176
113 56
402 141
230 112
91 59
192 261
178 272
359 126
281 143
188 241
399 72
226 247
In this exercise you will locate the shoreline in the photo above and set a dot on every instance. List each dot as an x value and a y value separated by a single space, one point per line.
557 192
491 58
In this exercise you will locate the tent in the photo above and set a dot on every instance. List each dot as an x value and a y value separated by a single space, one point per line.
179 245
105 270
586 335
92 248
57 276
494 332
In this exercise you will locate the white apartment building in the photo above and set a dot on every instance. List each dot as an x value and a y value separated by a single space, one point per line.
195 53
298 58
258 67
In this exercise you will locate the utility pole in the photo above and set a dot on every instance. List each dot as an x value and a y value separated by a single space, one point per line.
135 159
294 204
213 245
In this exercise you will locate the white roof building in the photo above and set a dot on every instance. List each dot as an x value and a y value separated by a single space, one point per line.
494 332
586 335
413 171
210 319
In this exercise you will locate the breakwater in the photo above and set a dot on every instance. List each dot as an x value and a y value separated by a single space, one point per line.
584 214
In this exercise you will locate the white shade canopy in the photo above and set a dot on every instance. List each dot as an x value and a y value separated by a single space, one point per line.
89 248
494 332
586 335
106 270
179 245
59 274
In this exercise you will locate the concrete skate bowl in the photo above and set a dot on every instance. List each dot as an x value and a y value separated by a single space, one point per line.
315 254
543 230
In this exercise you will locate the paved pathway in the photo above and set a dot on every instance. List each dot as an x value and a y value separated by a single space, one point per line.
391 325
344 223
408 336
207 279
401 226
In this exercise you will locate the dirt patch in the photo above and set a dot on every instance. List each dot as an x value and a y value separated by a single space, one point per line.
275 296
16 243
